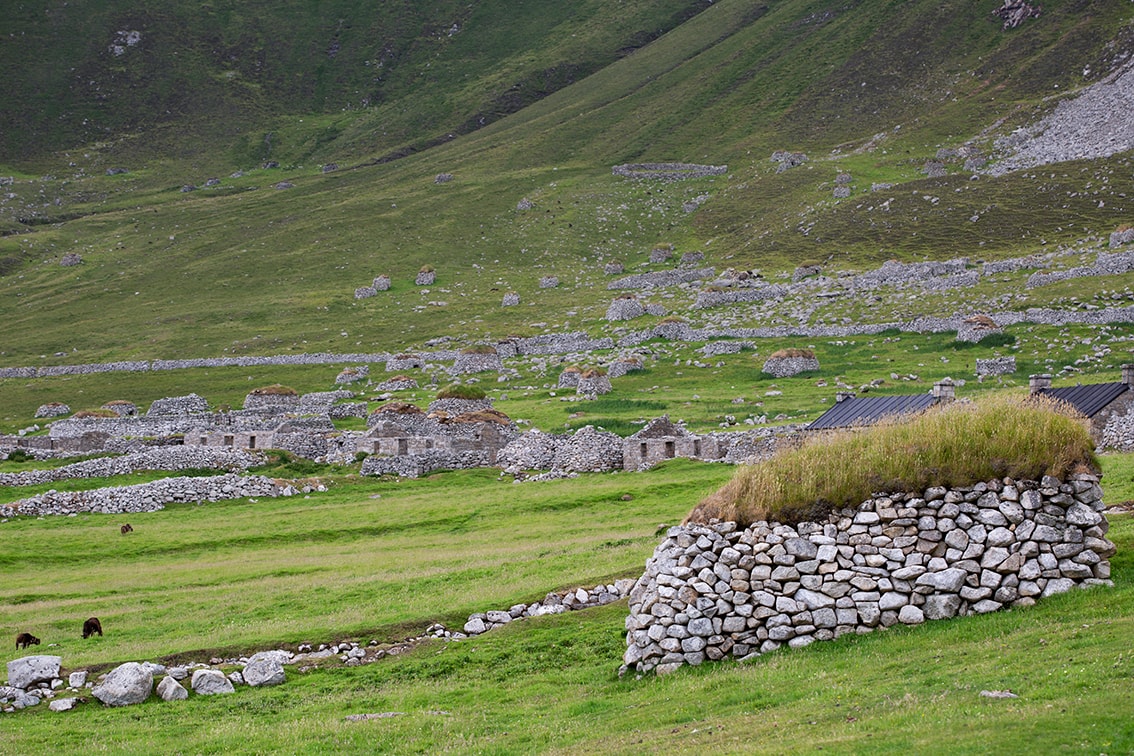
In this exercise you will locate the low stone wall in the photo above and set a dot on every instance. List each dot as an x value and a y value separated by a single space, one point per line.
424 463
661 278
157 458
713 591
146 497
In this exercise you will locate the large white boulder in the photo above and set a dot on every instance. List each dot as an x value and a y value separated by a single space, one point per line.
127 684
29 670
210 682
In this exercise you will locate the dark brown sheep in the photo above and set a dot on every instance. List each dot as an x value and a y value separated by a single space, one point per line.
127 528
92 626
23 640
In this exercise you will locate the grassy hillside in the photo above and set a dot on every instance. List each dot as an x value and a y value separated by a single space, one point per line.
871 88
382 560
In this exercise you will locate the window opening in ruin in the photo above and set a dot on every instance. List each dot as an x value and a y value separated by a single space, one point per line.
403 446
251 442
645 450
697 448
228 440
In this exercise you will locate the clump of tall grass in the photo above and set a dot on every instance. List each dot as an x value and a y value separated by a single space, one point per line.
951 445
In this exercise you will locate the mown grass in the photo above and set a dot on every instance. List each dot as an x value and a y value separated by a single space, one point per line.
546 685
948 445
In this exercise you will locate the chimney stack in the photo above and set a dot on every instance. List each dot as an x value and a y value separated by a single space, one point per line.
1128 374
842 396
1037 383
944 390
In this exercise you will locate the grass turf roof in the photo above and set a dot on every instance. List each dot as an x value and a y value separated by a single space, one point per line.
951 445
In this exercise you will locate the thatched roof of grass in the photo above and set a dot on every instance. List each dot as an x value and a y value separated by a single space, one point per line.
956 444
982 320
593 372
792 352
572 369
461 391
95 413
481 416
115 403
274 390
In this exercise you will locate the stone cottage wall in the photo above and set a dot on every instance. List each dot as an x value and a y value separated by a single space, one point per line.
713 591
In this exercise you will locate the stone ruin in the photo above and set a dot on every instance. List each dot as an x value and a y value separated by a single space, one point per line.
511 299
272 400
713 590
661 254
548 282
190 404
353 374
477 360
593 382
623 365
399 362
1015 12
788 362
398 383
442 178
381 283
71 259
122 408
1124 235
976 327
52 409
569 378
426 276
365 292
667 171
613 268
662 439
787 160
625 307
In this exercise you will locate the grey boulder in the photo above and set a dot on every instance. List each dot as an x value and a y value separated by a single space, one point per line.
127 684
29 670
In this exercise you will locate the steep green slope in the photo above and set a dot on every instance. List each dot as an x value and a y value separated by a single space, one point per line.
872 87
185 78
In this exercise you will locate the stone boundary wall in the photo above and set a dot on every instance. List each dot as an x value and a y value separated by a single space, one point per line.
661 278
158 458
1105 265
667 171
581 342
146 497
713 591
996 366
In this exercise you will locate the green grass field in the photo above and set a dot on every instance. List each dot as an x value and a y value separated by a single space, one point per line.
221 579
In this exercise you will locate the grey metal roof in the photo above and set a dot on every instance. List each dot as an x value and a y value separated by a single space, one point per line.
868 410
1089 399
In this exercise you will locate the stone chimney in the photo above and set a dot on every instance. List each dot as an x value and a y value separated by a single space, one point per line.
1037 383
944 390
842 396
1128 374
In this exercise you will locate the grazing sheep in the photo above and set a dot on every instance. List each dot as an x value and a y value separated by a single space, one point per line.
92 626
23 640
127 528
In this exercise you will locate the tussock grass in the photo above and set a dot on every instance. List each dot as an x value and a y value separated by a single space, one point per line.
952 445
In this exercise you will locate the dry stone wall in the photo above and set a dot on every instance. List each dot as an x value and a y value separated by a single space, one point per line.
146 497
714 591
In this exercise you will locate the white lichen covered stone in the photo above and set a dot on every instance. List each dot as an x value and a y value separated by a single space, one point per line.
125 685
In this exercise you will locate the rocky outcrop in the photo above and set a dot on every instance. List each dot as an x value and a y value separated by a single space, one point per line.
713 591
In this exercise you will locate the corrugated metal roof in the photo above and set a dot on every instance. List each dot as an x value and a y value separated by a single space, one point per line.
868 410
1088 399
